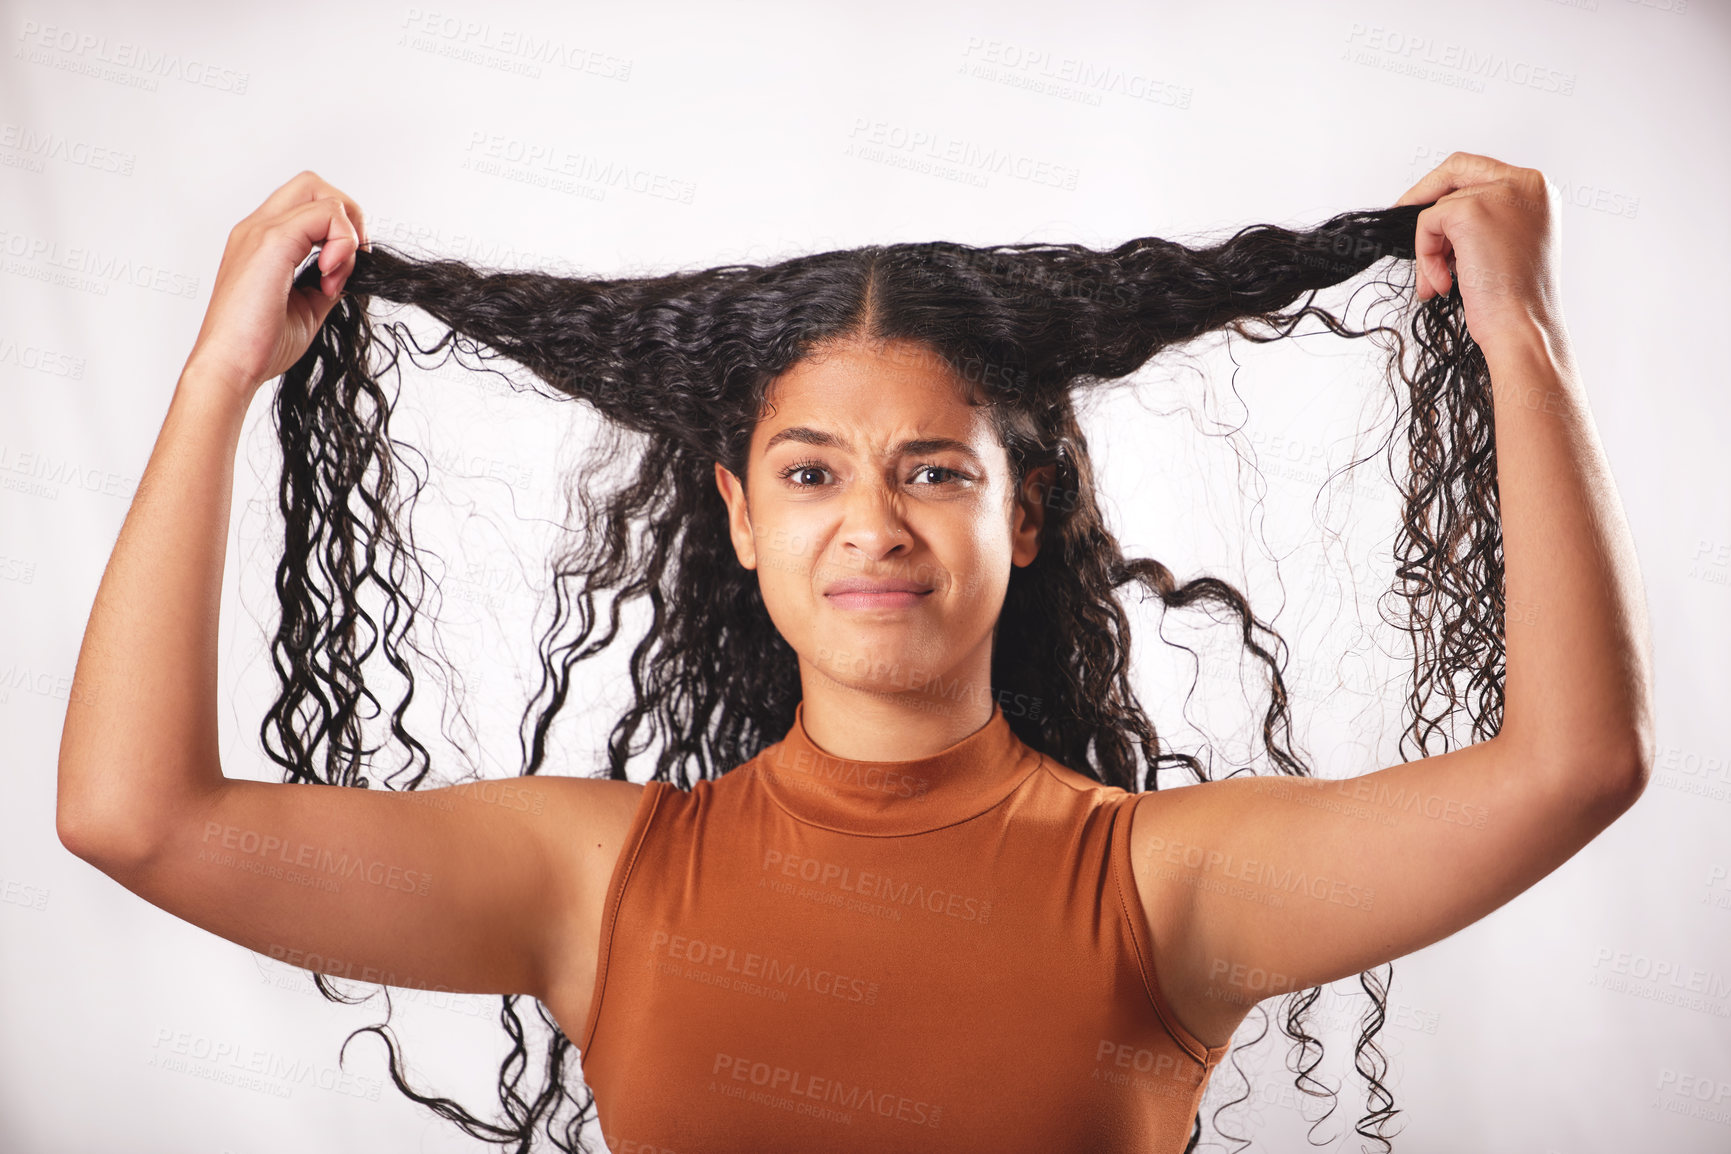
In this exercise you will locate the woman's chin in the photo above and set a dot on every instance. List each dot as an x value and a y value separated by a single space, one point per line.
880 668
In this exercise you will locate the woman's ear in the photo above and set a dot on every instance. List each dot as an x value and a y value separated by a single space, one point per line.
738 516
1029 514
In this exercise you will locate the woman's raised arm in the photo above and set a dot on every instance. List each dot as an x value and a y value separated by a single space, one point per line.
1254 886
480 888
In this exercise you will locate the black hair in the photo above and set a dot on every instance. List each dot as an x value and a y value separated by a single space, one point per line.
678 365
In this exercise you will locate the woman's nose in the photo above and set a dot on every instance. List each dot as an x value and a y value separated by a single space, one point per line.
873 520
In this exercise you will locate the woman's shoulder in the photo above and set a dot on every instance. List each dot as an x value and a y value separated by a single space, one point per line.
701 790
1086 788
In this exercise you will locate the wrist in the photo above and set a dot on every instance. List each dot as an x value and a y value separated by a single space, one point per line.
1529 345
209 377
1532 368
215 392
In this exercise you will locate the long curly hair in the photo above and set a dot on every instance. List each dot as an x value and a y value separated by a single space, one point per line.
678 364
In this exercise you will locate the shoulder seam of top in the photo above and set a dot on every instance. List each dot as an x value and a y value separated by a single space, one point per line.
1052 767
1145 965
610 915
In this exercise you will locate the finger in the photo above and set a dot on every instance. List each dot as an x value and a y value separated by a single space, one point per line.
1460 170
323 222
308 186
322 189
1431 249
335 269
297 189
340 246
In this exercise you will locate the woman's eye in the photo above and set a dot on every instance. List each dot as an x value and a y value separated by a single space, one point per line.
808 475
947 473
793 473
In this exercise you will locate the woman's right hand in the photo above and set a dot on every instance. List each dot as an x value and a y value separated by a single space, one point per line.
258 324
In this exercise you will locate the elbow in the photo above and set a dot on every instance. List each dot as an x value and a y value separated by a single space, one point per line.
73 834
83 819
1613 774
88 840
1630 761
121 821
1637 767
1604 776
76 827
112 842
1604 756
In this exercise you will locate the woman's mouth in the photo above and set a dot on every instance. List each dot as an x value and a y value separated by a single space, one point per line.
865 593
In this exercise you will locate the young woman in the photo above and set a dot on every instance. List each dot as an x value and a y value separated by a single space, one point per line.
921 894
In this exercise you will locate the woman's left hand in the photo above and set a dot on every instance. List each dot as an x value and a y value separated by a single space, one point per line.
1495 228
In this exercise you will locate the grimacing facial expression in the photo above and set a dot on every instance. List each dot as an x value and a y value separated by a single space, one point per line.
880 516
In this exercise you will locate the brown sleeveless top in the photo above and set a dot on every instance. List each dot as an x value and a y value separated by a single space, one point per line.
944 953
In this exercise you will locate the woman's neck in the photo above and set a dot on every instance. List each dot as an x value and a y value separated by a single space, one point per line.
902 717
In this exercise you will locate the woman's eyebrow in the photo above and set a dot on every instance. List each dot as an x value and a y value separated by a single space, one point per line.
806 435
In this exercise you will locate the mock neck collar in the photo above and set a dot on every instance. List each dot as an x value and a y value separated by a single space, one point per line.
888 798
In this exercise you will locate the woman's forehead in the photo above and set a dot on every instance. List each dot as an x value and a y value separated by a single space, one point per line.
879 394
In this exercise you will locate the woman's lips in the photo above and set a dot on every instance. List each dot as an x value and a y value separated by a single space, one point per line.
879 599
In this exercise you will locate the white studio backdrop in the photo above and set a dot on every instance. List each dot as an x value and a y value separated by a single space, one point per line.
1592 1013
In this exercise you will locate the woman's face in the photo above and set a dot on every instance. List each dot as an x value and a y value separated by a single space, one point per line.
881 520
